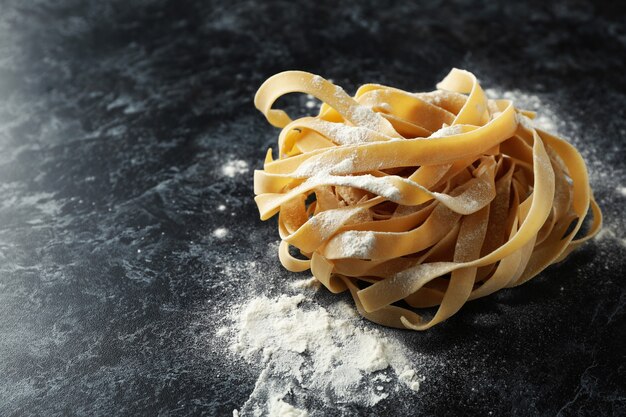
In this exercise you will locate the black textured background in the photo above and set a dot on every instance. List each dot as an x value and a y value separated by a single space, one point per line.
115 117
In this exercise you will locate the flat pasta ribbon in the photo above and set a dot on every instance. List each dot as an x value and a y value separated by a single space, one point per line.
428 199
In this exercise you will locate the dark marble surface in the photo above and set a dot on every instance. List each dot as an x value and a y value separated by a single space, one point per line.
115 118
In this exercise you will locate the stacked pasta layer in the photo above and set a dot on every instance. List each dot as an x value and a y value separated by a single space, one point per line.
415 200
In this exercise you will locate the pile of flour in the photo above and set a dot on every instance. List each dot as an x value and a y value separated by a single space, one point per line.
309 352
234 167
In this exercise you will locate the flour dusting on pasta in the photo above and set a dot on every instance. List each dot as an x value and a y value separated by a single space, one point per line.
453 195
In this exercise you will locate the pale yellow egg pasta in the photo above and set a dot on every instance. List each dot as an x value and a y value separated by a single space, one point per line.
428 199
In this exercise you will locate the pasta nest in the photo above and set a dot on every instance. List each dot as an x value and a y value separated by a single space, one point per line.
417 200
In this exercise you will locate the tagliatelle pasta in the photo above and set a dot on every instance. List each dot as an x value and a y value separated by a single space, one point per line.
419 199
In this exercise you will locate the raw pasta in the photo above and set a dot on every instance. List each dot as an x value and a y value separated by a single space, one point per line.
416 200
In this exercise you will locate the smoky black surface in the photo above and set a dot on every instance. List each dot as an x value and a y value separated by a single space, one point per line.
115 120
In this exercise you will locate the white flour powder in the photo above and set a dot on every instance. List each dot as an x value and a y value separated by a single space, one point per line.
279 408
447 131
546 117
307 283
220 232
357 243
348 135
235 167
306 349
317 81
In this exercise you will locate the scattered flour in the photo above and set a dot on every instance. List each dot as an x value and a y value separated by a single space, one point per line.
356 244
447 131
221 207
344 134
525 121
220 232
385 107
329 221
341 95
608 233
324 172
317 81
546 116
605 233
622 190
279 408
346 165
317 167
408 376
382 186
308 350
235 167
310 104
308 283
366 117
434 97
